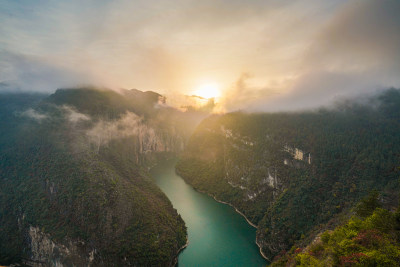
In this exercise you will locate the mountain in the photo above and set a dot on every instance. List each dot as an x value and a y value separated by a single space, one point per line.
74 183
297 174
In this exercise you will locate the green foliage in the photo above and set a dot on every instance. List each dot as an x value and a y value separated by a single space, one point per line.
325 237
368 204
353 147
51 179
360 242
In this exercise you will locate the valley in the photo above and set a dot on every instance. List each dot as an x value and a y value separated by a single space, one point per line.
199 133
297 174
80 180
218 236
75 189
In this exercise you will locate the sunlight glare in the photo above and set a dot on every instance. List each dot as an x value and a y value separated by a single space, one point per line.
208 90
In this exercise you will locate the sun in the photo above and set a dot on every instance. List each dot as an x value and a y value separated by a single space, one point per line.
207 90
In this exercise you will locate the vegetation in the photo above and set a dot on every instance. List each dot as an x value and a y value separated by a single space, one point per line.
368 240
98 200
249 160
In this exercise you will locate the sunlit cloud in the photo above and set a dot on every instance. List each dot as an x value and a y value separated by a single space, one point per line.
299 53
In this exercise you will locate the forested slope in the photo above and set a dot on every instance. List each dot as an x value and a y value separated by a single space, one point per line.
295 174
74 188
370 238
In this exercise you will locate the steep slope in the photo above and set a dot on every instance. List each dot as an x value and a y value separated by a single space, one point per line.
370 238
74 188
291 173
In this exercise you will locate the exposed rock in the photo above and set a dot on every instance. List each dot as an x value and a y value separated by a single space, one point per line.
45 252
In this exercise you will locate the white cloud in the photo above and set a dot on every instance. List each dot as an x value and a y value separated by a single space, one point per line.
74 116
33 114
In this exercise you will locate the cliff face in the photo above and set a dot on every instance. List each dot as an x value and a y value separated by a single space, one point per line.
74 177
258 174
44 251
248 171
146 136
291 174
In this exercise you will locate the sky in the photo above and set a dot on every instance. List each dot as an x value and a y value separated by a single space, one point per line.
261 55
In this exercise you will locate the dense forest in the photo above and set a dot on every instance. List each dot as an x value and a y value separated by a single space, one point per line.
322 186
74 187
298 174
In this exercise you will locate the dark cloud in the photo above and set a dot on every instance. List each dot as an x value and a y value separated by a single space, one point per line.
317 89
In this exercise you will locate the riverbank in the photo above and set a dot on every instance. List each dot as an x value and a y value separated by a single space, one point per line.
179 251
244 216
262 254
239 212
218 235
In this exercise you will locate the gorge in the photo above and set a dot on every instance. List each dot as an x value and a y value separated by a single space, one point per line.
297 174
81 172
218 236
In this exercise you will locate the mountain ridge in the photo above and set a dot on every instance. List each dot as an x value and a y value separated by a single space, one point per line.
74 177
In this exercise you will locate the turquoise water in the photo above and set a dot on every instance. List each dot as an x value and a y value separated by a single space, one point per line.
218 236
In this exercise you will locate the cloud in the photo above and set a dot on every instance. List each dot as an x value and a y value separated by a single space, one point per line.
317 89
33 114
132 126
242 96
356 52
104 131
300 53
70 113
166 46
363 35
74 116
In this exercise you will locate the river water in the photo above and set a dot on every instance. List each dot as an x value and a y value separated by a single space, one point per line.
218 236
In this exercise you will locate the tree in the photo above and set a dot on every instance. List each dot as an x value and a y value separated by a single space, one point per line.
367 205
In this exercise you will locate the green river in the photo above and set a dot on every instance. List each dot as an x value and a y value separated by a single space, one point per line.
218 236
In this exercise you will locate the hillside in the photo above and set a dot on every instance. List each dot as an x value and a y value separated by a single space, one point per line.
370 238
74 188
296 174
